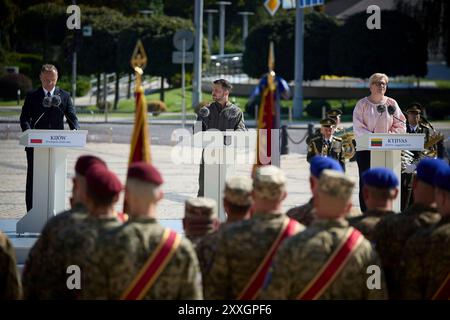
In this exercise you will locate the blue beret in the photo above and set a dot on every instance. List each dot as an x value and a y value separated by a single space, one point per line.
319 163
426 169
380 178
442 178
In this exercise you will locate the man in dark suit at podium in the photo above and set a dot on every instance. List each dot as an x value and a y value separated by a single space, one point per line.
45 108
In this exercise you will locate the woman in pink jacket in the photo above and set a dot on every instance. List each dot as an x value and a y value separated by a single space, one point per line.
376 113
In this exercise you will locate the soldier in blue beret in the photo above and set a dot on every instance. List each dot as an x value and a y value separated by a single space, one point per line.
380 189
392 233
427 253
305 213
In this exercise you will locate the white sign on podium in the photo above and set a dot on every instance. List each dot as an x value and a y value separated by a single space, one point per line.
386 151
49 174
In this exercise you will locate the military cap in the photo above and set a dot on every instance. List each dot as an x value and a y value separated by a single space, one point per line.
102 182
426 169
334 113
382 178
269 182
145 172
201 208
327 122
442 178
238 190
415 107
319 163
85 162
336 184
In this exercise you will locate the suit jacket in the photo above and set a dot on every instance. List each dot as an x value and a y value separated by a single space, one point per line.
35 116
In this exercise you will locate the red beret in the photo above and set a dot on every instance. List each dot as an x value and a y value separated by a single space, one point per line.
102 182
85 162
145 172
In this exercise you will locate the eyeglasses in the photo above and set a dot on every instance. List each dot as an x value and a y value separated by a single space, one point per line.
380 84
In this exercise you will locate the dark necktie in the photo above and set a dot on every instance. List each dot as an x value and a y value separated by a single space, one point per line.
48 94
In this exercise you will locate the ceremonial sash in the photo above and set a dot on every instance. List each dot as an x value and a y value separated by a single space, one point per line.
333 266
122 216
153 266
256 282
443 293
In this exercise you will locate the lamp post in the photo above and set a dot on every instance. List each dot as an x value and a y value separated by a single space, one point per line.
245 15
210 13
197 79
222 5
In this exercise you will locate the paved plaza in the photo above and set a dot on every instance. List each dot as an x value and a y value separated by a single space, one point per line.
181 180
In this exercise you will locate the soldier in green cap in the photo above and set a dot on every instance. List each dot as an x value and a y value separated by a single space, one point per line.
200 218
326 144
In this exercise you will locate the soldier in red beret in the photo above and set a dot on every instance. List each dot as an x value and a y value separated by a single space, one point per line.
40 261
144 247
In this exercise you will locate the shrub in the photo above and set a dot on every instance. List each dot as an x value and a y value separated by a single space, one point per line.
175 80
314 108
156 107
83 85
438 109
9 84
101 105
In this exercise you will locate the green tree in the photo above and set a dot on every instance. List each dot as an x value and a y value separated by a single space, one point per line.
399 48
8 14
281 30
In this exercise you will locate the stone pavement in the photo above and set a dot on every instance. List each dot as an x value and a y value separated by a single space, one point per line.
181 180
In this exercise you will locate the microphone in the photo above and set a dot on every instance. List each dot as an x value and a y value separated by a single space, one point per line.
381 108
204 113
55 102
391 111
46 103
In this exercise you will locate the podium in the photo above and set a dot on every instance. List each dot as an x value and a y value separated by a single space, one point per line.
49 174
386 151
221 152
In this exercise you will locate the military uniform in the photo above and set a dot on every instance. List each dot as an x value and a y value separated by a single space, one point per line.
318 145
243 245
391 235
121 254
221 118
10 288
200 218
367 223
42 261
238 193
303 214
426 261
302 257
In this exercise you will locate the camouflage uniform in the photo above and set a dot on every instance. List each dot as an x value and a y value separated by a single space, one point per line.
368 222
426 261
301 257
242 246
200 218
10 288
391 235
303 214
237 192
42 262
121 254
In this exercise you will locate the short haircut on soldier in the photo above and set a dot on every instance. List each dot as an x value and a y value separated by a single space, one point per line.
381 193
238 210
143 189
225 84
48 68
99 199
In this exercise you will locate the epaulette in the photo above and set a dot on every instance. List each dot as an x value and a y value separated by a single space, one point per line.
337 138
425 125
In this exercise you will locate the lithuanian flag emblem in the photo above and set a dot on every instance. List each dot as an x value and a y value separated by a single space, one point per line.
376 142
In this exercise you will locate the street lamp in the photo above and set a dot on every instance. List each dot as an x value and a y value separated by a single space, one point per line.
222 5
210 13
245 15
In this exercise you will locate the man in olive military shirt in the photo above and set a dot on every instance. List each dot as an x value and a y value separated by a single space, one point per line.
243 246
380 189
221 115
305 267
